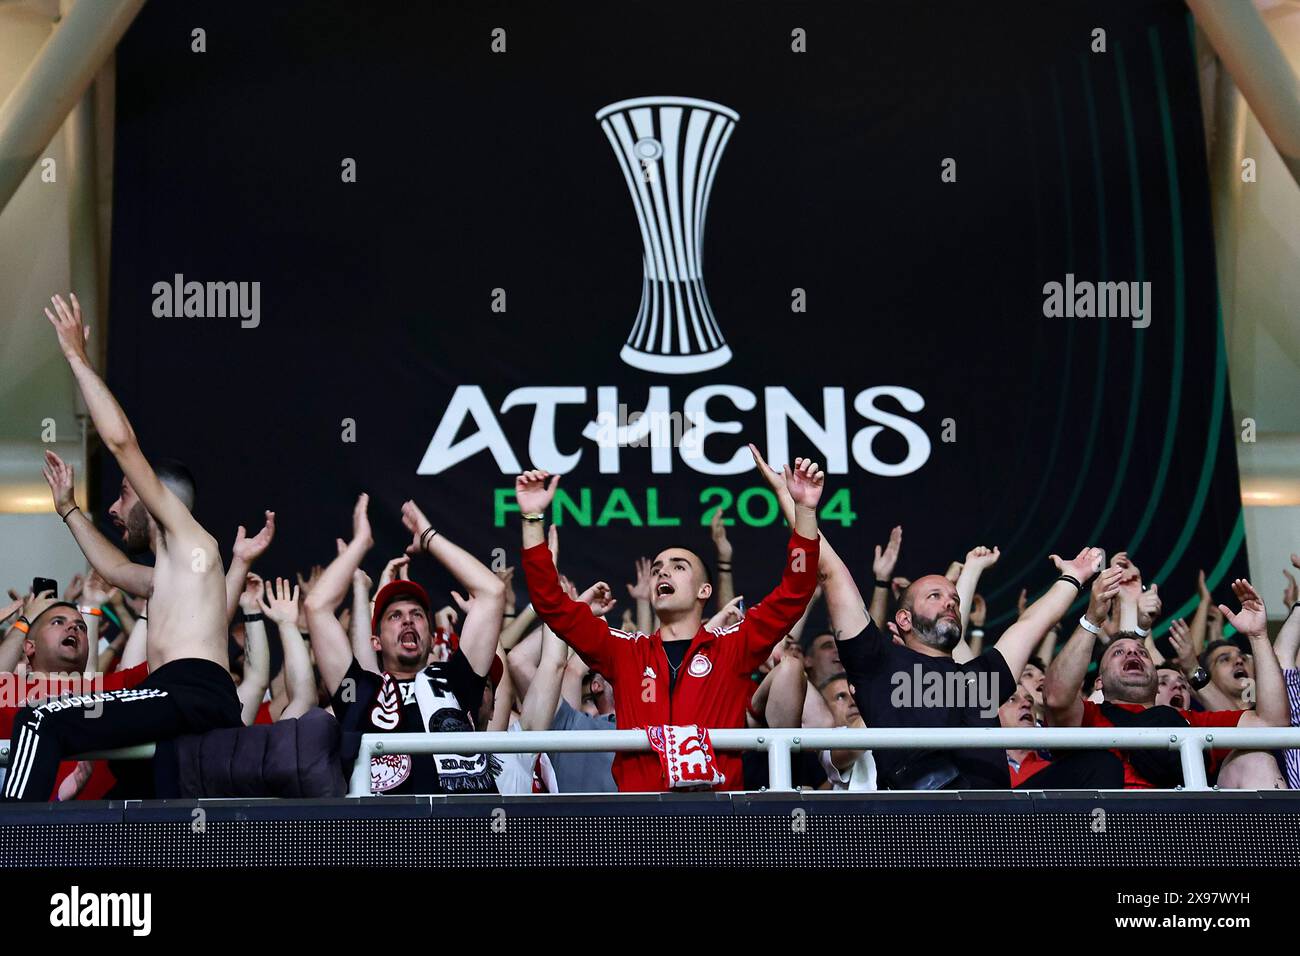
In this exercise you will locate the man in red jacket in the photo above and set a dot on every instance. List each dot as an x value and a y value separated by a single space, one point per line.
683 673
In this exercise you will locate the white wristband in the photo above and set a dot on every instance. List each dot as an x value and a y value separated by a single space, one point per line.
1087 625
1139 632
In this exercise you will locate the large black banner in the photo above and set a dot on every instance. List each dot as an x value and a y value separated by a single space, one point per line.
958 252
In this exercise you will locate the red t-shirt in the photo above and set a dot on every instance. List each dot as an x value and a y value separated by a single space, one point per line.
32 689
1093 717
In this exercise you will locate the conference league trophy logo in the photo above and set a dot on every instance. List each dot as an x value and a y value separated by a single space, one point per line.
668 148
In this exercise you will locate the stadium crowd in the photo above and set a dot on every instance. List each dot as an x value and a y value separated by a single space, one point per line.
131 653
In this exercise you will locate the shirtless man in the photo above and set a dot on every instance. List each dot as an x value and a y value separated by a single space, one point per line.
189 690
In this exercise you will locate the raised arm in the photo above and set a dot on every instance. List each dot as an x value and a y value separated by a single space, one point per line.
245 551
257 651
1288 638
1271 709
978 560
543 697
503 701
725 588
136 649
1020 640
95 597
1200 618
115 430
572 620
1185 657
844 604
781 695
11 650
1126 611
1064 679
523 660
280 604
328 639
104 556
768 621
882 567
482 627
640 593
515 631
359 633
571 685
796 631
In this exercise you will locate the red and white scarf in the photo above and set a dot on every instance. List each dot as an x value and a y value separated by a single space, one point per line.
686 756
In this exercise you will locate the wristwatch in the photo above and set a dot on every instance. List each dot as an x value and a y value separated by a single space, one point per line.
1199 678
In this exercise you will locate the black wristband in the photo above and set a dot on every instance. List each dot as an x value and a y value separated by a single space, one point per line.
256 616
1072 579
429 531
65 514
884 584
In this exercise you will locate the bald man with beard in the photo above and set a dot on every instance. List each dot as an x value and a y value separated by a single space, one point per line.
918 684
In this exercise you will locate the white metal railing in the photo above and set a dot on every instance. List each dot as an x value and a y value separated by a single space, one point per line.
1190 742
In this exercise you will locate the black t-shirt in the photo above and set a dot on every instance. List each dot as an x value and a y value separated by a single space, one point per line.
894 686
366 702
676 652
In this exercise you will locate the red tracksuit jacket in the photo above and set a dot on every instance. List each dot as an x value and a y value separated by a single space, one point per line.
713 685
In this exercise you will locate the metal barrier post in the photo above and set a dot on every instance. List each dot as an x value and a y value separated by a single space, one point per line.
778 762
1189 749
359 785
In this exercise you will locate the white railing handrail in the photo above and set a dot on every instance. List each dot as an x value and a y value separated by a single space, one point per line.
779 743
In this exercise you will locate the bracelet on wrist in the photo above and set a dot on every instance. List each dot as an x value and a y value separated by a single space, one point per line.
1137 629
426 536
91 610
724 565
255 616
1070 578
532 515
1088 626
21 626
884 584
65 514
